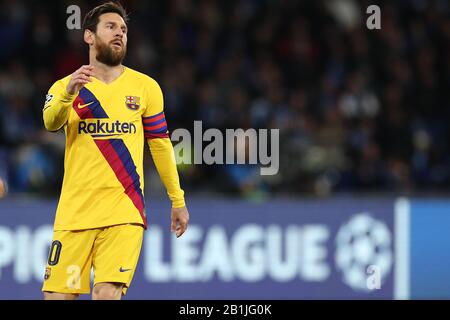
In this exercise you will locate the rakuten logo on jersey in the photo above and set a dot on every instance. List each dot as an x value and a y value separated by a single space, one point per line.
102 127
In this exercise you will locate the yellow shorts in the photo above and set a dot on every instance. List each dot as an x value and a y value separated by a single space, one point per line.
112 252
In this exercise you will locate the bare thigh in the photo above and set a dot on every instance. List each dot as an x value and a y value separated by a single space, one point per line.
60 296
107 291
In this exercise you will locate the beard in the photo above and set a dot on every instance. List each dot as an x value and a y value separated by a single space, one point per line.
107 55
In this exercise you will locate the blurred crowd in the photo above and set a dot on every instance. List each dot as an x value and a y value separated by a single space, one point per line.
358 110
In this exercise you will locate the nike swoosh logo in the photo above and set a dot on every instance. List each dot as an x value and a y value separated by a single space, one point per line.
123 270
81 106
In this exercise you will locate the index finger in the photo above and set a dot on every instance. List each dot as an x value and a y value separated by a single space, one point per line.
182 228
89 70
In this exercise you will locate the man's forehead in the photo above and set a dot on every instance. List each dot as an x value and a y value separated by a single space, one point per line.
112 17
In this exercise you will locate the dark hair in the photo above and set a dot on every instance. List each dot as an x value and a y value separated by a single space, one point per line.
92 18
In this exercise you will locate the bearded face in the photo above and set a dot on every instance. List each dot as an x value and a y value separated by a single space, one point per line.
112 53
108 40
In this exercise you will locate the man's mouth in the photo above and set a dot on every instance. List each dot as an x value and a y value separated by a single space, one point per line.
117 43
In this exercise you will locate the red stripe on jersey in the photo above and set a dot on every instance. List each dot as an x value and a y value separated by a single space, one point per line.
162 124
149 120
122 174
84 113
156 135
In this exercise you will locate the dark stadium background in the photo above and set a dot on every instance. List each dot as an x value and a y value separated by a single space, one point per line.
362 114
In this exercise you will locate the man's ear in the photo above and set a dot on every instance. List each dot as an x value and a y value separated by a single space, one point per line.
89 37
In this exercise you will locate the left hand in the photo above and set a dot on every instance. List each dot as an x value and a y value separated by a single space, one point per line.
180 219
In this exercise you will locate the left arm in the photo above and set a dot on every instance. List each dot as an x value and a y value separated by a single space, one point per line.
164 159
161 149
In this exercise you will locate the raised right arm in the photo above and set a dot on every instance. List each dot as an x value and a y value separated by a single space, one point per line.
60 98
57 106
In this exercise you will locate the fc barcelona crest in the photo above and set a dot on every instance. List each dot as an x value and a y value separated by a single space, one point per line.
132 102
48 273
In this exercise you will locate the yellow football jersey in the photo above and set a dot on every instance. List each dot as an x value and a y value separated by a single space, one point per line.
106 126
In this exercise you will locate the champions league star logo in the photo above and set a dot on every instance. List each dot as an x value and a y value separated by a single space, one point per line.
363 242
132 102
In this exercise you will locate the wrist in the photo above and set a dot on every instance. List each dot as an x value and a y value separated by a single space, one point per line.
68 97
178 203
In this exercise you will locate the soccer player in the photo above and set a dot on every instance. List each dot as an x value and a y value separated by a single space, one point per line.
107 111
